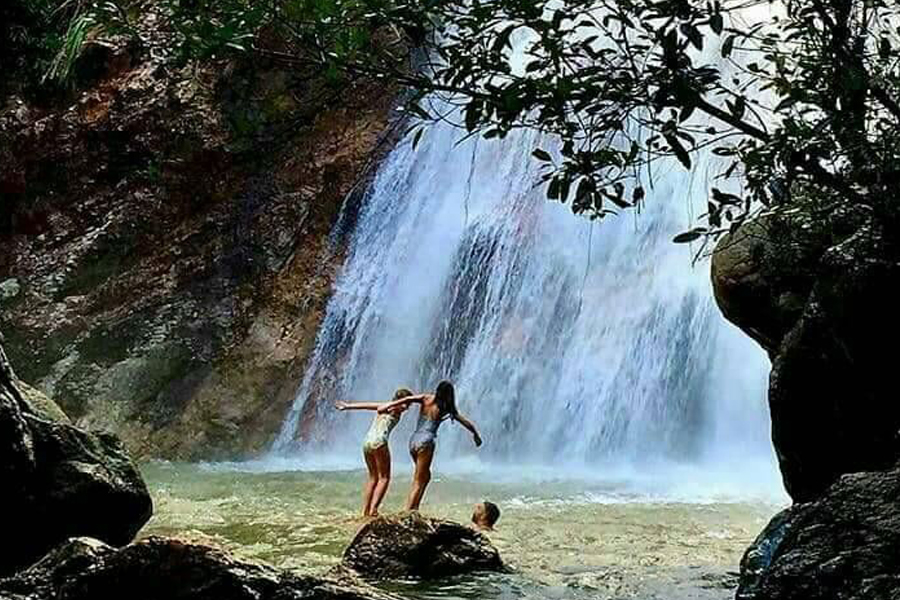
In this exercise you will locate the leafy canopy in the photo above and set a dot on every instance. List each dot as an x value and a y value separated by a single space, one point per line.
792 95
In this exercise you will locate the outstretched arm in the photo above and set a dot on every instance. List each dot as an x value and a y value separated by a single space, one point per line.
470 426
357 405
402 402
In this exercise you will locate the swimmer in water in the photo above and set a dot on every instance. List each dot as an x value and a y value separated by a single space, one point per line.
485 516
376 450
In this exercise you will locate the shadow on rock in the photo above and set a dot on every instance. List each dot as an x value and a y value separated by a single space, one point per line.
157 568
60 481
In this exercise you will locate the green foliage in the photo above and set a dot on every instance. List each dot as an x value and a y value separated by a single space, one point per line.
43 39
72 43
330 35
88 19
799 94
803 94
807 97
28 41
211 28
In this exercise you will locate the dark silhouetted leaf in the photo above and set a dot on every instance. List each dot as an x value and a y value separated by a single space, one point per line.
689 236
727 46
541 155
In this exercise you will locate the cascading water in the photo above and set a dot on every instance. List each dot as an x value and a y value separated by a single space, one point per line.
567 341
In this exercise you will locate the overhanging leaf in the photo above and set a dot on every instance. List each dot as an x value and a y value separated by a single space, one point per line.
541 155
689 236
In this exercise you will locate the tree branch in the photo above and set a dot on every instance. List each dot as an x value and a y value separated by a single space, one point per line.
729 119
882 96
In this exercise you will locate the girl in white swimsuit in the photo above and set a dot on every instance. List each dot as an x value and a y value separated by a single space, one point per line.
376 449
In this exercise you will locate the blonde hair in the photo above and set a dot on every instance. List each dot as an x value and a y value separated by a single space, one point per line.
402 392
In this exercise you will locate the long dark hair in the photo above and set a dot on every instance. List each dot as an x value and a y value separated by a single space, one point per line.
445 397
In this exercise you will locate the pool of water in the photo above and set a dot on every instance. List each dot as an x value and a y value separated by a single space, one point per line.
675 534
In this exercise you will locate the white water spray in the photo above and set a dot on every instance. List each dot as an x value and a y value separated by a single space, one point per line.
567 341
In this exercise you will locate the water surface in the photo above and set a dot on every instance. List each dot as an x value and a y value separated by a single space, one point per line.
673 534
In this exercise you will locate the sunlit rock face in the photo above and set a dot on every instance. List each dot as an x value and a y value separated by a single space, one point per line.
825 308
164 239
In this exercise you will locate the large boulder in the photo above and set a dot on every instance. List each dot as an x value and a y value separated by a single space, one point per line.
162 568
843 546
60 481
411 545
753 289
825 308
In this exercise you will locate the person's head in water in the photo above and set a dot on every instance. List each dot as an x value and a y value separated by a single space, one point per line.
401 393
485 515
446 398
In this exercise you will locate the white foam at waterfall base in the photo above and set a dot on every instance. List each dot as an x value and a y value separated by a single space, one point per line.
661 482
572 345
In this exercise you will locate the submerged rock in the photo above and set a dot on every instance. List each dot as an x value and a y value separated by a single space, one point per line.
843 546
59 481
415 546
162 568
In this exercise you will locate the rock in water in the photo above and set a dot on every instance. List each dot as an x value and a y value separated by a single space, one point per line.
60 481
167 569
415 546
843 546
824 306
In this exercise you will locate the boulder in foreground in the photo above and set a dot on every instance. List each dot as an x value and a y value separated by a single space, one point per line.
843 546
60 481
411 545
167 569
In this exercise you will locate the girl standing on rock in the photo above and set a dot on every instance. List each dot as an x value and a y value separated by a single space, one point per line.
433 410
376 450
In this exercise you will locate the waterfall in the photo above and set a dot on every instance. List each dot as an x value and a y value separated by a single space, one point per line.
567 340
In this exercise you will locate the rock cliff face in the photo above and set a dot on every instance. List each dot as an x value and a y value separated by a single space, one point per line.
66 489
165 250
825 308
60 481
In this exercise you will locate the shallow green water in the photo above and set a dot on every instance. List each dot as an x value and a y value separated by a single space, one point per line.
564 536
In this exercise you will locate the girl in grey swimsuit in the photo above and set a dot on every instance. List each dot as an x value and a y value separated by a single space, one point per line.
425 435
433 409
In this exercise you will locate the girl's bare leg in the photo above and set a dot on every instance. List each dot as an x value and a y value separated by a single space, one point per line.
421 478
383 467
370 482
